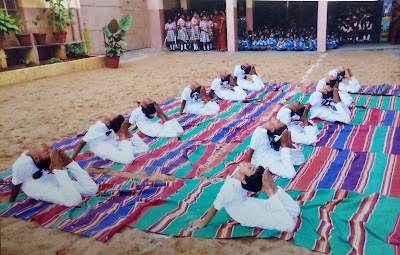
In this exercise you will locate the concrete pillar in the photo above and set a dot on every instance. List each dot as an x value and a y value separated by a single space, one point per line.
321 25
231 24
249 14
184 4
156 23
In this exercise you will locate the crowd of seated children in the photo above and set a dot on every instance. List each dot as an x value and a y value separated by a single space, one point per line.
355 25
293 39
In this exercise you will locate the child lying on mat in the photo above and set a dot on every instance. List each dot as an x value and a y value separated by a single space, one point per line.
192 97
276 212
42 174
110 139
225 87
271 146
241 72
297 111
142 116
345 88
322 100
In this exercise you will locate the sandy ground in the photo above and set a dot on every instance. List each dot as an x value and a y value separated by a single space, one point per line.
48 109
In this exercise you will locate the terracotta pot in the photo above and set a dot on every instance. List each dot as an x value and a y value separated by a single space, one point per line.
112 62
61 37
24 39
40 38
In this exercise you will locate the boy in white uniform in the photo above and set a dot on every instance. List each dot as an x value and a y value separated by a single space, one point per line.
271 146
191 101
240 74
32 172
226 88
110 139
276 212
298 112
147 110
322 100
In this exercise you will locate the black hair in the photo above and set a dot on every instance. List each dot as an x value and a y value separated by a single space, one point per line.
332 83
43 164
327 98
149 110
115 124
254 182
227 78
247 70
273 135
299 112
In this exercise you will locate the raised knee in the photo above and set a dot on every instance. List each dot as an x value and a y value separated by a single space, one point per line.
74 200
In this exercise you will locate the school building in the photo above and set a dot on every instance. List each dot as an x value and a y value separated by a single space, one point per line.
147 30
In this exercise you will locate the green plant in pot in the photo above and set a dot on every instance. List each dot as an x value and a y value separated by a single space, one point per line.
61 18
115 33
39 37
7 24
24 39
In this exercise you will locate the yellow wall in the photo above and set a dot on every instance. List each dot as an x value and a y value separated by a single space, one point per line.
43 4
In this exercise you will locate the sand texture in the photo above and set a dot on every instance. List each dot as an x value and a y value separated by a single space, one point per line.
49 109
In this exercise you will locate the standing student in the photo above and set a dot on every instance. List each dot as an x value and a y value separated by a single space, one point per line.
297 112
240 73
170 29
42 174
277 212
181 39
110 139
147 110
204 36
322 100
195 32
271 146
225 87
210 26
188 33
192 97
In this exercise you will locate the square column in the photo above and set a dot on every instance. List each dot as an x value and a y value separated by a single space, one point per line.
231 25
321 25
249 15
156 23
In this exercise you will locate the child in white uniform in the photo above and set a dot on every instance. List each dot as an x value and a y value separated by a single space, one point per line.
345 88
110 139
276 212
31 173
298 112
147 110
240 73
191 101
226 88
322 100
271 146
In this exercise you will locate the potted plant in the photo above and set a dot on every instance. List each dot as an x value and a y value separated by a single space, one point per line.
24 39
115 33
7 24
61 18
39 37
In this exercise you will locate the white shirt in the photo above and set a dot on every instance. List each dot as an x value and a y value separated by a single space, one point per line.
138 116
316 99
23 169
239 73
97 133
285 115
231 195
186 96
217 85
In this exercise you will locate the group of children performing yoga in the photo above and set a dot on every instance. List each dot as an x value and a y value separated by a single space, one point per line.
42 172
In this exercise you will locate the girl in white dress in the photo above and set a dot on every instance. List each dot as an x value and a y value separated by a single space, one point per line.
225 87
241 73
276 212
142 116
192 97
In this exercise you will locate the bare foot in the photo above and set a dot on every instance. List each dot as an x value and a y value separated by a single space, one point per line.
64 157
203 92
336 97
56 161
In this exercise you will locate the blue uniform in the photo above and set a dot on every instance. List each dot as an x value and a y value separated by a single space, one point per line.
331 43
298 45
262 44
307 46
313 43
283 44
271 43
245 45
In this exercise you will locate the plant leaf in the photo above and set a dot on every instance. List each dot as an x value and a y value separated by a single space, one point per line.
113 26
107 32
125 22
